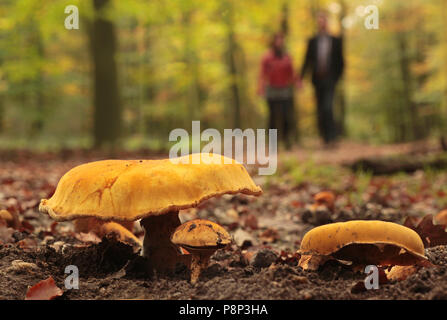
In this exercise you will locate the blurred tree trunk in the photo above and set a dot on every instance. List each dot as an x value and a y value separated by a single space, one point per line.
411 130
284 27
194 89
232 55
2 112
146 80
107 108
340 98
38 121
2 106
444 9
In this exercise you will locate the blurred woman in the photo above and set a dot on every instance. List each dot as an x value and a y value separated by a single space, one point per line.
276 83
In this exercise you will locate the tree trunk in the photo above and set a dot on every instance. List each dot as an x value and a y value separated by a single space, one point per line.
443 136
232 64
406 77
107 108
38 122
285 30
402 163
194 91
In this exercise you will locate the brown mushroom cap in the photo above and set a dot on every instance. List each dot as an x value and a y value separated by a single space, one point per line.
200 233
126 190
331 238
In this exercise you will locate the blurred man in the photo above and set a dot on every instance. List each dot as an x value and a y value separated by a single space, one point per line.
324 57
276 82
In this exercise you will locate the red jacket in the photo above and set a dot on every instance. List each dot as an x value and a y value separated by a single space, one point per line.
277 71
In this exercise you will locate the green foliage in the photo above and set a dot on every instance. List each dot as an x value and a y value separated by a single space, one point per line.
300 172
173 68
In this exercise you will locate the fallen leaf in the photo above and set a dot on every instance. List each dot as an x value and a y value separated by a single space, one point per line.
19 266
412 221
297 204
269 235
87 237
441 217
27 244
6 234
44 290
326 198
287 257
26 226
431 235
250 221
9 219
312 262
399 273
243 239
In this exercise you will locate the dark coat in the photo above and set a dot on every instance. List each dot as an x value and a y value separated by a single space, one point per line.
336 61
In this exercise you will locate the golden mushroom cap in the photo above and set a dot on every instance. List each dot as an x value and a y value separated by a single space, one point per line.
200 233
134 189
330 238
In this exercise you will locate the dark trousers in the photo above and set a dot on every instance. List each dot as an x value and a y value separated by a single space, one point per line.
282 117
324 93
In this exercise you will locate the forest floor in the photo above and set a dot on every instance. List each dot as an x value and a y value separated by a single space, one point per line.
267 230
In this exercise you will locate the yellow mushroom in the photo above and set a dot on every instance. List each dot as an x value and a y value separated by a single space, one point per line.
368 242
122 234
151 190
201 238
96 226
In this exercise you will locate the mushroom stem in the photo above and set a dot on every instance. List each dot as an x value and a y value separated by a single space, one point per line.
157 246
199 262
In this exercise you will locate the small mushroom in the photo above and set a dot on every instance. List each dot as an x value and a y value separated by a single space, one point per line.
201 238
122 234
122 230
151 190
365 242
94 224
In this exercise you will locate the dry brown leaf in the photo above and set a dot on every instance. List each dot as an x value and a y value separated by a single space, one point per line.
286 257
431 235
312 262
44 290
325 198
87 237
6 234
9 219
250 221
399 273
441 217
269 235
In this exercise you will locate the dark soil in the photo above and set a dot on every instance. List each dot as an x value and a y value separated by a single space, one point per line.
110 270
